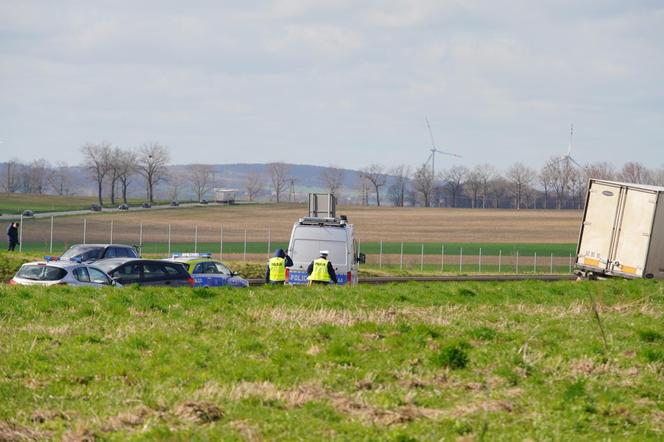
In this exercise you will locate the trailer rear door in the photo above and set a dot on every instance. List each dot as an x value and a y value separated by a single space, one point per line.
633 236
597 231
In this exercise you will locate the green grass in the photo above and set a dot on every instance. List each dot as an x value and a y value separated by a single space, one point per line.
493 361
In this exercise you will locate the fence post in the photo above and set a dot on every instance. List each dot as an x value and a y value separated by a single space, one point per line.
401 257
461 260
570 263
480 261
85 228
500 259
221 243
169 240
50 248
196 238
244 251
517 262
422 259
269 242
442 258
20 235
140 236
535 264
111 231
551 263
380 257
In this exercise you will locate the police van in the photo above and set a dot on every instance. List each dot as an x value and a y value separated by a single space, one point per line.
322 230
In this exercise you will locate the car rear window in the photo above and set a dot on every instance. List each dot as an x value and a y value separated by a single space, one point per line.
175 269
84 253
36 272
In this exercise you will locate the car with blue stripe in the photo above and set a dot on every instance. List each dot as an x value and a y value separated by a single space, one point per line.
208 272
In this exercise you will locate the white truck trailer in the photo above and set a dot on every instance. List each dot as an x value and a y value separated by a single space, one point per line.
322 230
622 233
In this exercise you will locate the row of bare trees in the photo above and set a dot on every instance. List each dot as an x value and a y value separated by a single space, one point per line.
37 177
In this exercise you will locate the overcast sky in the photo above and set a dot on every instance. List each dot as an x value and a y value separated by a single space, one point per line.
334 82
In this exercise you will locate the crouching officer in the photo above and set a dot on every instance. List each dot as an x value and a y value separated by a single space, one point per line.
320 270
275 273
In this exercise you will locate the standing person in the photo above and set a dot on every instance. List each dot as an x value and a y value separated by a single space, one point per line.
275 272
320 270
12 236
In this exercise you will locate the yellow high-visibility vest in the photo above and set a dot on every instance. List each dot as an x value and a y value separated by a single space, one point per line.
320 272
277 269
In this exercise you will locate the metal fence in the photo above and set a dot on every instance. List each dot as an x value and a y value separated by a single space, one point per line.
54 235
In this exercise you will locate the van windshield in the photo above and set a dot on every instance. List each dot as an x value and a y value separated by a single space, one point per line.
306 250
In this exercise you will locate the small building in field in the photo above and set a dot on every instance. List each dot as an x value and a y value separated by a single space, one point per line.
225 196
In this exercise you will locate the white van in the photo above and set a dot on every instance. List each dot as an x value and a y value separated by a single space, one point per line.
323 231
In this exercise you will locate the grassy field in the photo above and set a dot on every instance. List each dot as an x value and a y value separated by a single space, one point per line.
476 361
16 203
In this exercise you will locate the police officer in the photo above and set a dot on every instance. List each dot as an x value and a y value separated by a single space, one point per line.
320 270
275 273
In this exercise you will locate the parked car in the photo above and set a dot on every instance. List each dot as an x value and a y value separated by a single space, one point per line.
174 203
203 201
146 205
88 253
146 272
95 208
61 273
28 213
123 207
208 272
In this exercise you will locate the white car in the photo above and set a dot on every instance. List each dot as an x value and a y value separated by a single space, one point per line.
61 273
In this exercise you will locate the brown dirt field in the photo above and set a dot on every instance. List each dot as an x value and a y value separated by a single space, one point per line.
371 223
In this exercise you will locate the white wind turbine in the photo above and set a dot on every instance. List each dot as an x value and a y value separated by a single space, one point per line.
434 150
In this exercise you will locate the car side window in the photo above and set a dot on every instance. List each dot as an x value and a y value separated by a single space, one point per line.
153 270
128 272
111 253
81 274
98 277
173 269
220 268
198 268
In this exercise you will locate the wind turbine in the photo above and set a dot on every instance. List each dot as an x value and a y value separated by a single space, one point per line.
434 150
568 158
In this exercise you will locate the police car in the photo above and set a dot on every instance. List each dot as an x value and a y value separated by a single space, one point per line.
208 272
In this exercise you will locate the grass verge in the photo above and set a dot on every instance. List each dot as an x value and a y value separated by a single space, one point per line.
402 362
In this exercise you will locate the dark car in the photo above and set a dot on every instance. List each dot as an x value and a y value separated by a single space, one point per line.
146 272
95 208
174 203
203 201
28 213
146 205
123 207
94 252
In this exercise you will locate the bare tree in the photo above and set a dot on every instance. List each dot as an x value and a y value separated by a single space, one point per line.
114 169
364 186
658 176
423 183
10 181
396 192
60 179
547 180
278 178
332 178
498 188
473 186
600 170
635 172
253 185
152 161
561 172
126 169
453 178
485 174
96 159
202 179
520 178
375 175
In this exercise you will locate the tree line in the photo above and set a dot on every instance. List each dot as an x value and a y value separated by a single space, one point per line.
559 184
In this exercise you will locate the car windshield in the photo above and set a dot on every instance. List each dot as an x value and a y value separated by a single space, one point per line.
37 272
84 253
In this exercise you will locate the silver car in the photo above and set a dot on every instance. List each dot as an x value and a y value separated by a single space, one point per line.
61 273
